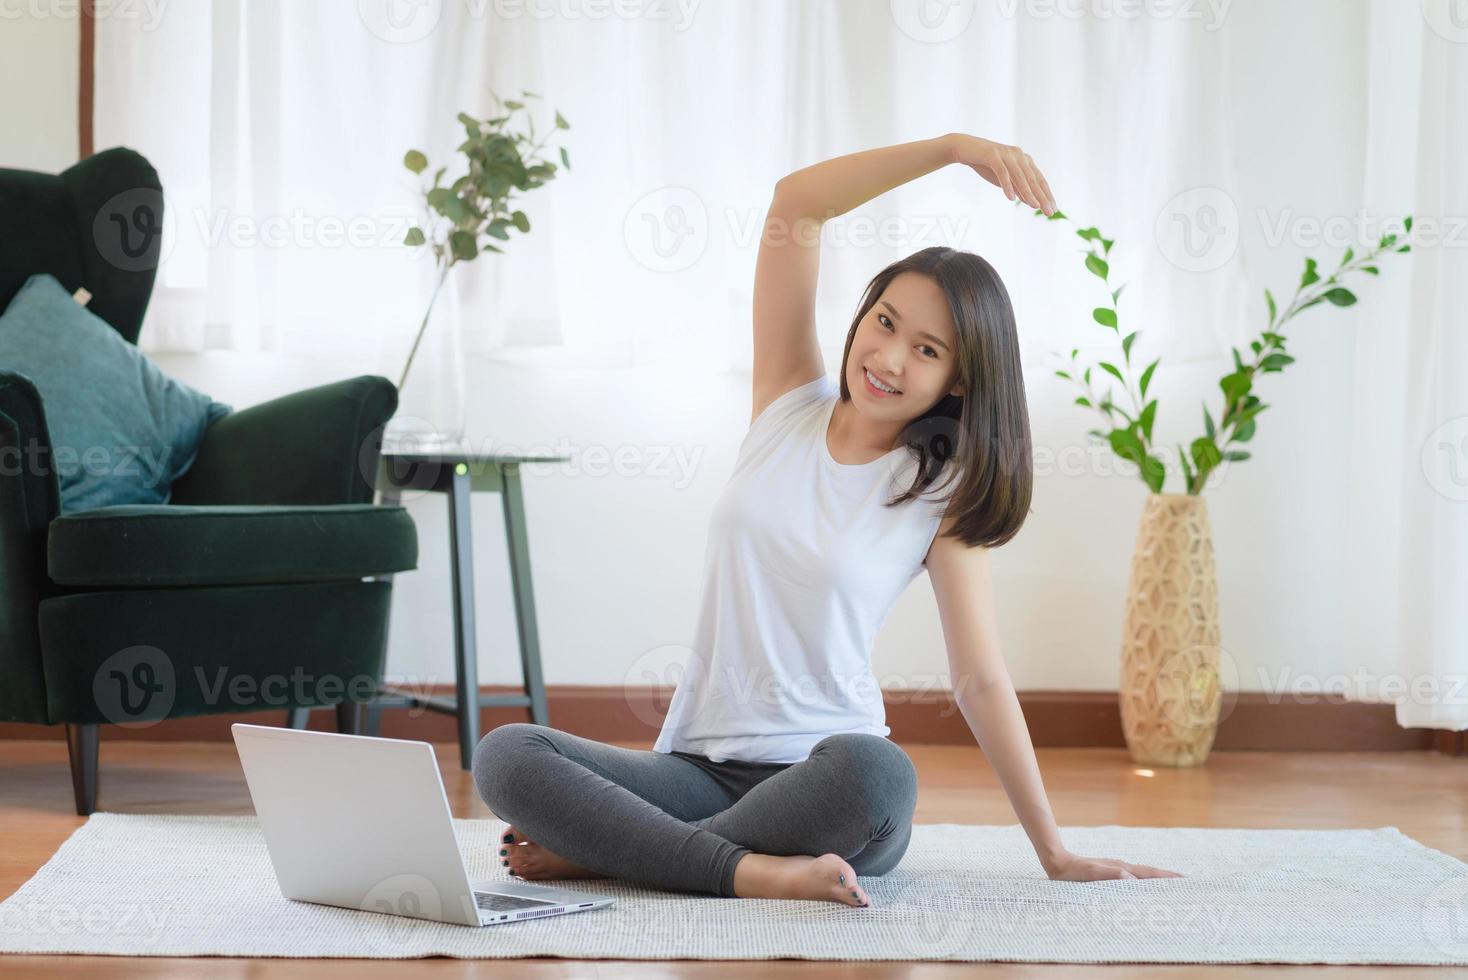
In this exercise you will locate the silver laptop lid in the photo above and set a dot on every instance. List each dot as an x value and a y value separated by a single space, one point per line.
357 822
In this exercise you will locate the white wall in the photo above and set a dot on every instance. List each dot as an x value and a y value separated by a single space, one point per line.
616 558
38 74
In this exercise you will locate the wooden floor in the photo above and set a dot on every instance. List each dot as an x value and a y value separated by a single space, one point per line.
1422 793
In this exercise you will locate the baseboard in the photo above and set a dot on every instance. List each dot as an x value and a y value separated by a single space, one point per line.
1057 719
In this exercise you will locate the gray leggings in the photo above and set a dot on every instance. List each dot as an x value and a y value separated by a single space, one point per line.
680 822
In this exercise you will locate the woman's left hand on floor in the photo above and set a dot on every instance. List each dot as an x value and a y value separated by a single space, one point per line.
1073 867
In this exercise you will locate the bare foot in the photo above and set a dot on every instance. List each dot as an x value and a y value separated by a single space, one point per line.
827 878
527 859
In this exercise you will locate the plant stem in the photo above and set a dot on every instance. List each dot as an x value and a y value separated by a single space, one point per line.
442 277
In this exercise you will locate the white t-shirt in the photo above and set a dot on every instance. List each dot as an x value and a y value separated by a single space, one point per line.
803 565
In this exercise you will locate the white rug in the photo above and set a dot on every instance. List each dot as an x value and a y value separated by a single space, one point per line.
141 885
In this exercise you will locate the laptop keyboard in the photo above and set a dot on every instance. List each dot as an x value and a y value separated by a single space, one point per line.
506 903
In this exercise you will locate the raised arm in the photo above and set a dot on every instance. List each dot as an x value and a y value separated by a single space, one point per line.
786 353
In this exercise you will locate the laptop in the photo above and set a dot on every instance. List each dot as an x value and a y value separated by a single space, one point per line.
364 823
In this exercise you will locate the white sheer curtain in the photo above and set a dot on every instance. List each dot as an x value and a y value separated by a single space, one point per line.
290 120
1407 571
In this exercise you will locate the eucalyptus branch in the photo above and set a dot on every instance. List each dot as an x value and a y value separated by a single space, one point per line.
1131 437
500 162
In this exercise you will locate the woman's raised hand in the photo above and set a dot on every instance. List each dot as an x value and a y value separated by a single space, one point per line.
1007 167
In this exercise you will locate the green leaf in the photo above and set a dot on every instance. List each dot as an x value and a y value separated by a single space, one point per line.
1147 376
1126 345
455 209
1244 432
1269 298
1205 454
496 229
1097 265
1116 292
1275 362
437 196
565 160
1105 317
414 236
492 248
512 105
1153 473
415 161
461 243
1145 419
1405 248
522 223
1182 457
1350 253
1112 370
1309 275
1083 401
561 122
1208 423
1235 386
1340 296
1088 233
1063 374
1371 269
1057 215
1236 455
1125 444
1238 361
1106 243
1407 224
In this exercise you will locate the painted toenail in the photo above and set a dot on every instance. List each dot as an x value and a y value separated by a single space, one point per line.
506 838
503 852
843 878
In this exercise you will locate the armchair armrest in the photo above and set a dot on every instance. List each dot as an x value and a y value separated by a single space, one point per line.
318 446
29 500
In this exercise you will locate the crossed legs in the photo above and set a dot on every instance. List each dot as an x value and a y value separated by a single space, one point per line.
662 820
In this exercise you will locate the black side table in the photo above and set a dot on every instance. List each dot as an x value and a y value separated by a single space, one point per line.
458 474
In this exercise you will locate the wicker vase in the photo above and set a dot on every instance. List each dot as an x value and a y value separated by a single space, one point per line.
1170 690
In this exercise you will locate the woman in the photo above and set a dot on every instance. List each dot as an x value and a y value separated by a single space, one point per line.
772 776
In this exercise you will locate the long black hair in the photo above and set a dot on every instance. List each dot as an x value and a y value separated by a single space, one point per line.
985 431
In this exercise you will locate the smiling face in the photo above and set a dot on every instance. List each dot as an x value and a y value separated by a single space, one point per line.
907 341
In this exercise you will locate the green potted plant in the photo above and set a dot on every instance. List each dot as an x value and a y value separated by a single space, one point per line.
462 220
1171 693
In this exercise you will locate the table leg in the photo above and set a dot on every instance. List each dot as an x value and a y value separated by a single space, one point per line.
387 497
519 548
466 658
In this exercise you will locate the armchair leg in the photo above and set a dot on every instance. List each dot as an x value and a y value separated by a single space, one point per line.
82 742
297 718
350 718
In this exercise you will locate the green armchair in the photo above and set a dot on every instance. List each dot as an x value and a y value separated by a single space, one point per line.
258 586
